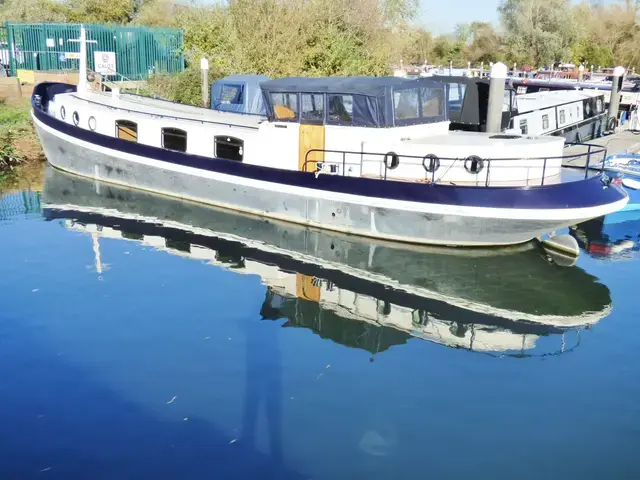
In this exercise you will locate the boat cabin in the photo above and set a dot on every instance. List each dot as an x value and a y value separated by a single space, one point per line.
468 102
376 127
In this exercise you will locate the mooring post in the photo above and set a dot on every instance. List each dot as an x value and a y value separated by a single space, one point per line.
82 75
204 68
496 97
614 100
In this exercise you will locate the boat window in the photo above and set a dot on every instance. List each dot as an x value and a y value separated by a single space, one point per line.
432 102
341 109
92 123
127 130
76 118
229 148
456 95
174 139
506 101
545 122
232 94
406 104
285 106
312 110
562 116
524 129
578 111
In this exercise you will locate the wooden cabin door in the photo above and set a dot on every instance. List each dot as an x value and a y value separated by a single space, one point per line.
311 138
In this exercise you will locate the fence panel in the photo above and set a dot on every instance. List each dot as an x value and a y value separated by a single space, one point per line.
50 46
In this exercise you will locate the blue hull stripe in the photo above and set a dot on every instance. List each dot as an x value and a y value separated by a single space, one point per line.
578 194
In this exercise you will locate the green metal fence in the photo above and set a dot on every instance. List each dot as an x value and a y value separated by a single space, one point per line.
139 51
4 47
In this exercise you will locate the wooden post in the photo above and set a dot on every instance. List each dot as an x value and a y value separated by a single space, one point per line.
614 99
204 68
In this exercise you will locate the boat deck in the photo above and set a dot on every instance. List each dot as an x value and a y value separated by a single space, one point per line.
480 140
150 106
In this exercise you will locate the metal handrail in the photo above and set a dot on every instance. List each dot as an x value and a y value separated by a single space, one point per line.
592 149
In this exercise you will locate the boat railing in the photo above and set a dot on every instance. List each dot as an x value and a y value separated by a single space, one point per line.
358 163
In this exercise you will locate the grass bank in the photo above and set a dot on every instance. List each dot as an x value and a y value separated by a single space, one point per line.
19 146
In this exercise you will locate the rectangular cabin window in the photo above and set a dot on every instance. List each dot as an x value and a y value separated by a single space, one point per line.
232 95
341 109
285 106
545 122
127 130
432 102
406 104
312 110
229 148
577 111
523 127
562 116
174 139
456 93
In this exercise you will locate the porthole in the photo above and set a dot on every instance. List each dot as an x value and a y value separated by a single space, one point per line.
76 118
92 123
63 113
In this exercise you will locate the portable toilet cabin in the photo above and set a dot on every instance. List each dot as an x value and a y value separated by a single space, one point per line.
238 93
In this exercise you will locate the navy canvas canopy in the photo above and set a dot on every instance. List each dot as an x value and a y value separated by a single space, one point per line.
369 86
238 93
371 98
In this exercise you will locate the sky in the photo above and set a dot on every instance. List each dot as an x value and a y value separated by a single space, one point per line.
441 16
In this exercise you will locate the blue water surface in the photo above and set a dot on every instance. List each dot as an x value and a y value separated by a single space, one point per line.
123 360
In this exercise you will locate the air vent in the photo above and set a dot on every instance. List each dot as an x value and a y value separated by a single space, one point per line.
505 137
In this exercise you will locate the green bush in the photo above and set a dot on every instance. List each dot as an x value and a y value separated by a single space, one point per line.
184 87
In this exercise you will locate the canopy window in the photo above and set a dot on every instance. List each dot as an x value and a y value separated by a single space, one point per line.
418 105
232 94
341 109
312 108
285 106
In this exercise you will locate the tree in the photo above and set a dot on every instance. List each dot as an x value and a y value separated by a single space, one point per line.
538 32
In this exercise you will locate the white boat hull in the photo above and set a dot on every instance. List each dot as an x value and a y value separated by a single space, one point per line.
414 222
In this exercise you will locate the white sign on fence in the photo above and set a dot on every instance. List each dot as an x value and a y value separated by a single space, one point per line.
105 63
51 43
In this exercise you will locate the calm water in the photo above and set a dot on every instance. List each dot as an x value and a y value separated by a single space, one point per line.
142 337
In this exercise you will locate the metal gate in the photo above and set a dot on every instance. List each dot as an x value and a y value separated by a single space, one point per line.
139 51
4 47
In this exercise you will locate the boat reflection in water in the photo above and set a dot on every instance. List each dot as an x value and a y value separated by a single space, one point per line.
614 237
357 292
